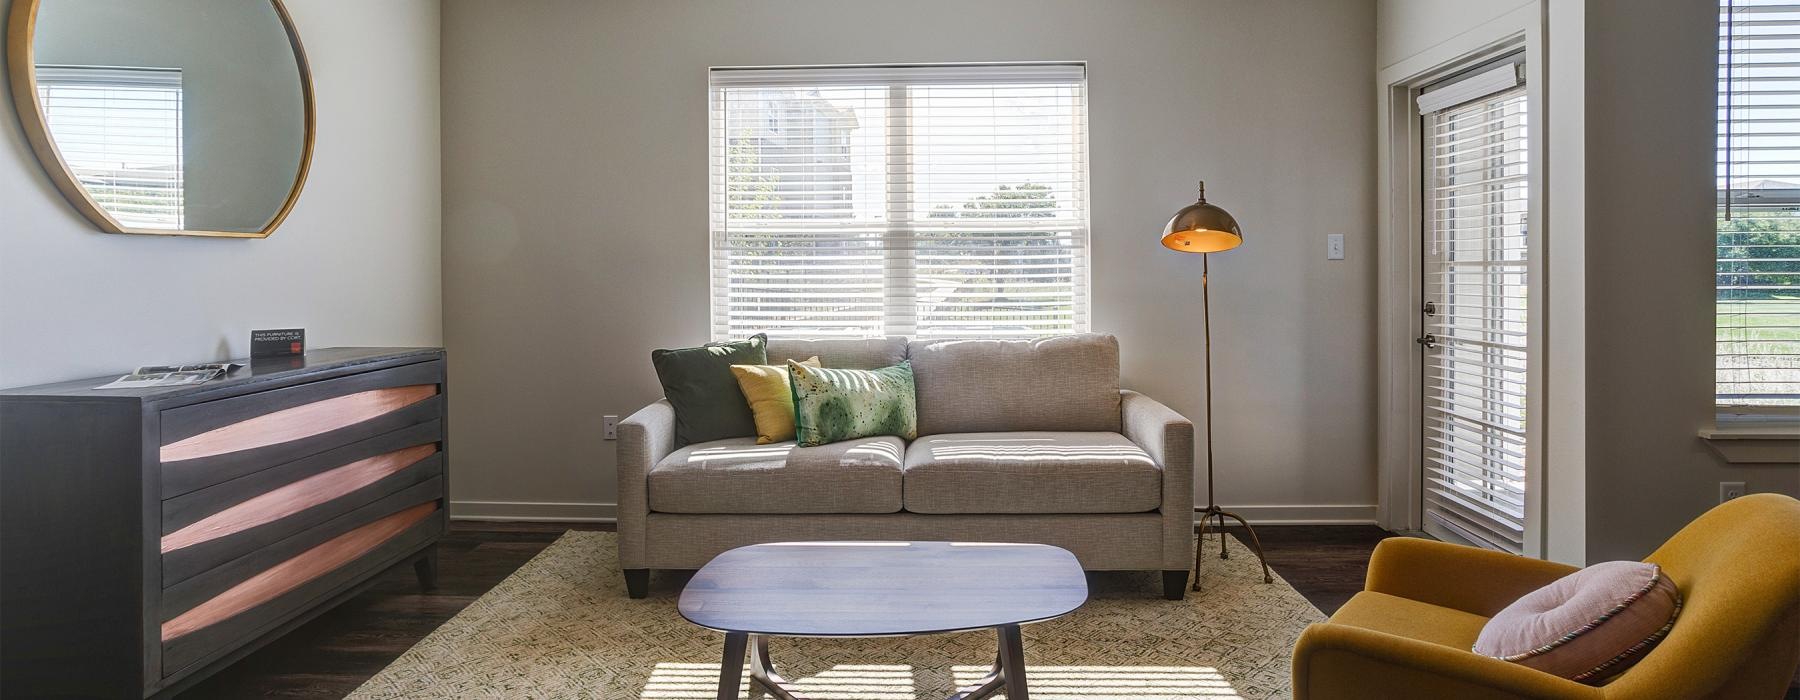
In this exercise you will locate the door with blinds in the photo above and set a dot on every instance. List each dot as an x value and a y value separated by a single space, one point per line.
1473 316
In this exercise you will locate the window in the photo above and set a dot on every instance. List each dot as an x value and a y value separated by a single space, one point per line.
1757 288
119 132
1476 177
940 201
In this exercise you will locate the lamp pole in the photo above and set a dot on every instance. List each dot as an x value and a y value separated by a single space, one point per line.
1212 510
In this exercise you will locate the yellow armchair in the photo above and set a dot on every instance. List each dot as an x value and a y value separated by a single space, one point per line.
1408 634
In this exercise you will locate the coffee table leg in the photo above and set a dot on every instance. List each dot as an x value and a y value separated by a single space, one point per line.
1012 662
762 671
731 667
988 685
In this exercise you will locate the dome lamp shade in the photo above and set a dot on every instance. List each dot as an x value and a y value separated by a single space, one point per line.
1202 228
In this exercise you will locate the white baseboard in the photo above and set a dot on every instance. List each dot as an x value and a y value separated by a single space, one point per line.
1305 514
528 511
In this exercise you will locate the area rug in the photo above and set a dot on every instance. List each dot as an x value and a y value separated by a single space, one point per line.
562 627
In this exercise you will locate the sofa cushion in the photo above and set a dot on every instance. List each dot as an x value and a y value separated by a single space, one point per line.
843 353
1030 472
1064 383
740 476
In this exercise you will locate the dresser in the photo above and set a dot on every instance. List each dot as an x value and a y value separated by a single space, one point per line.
151 536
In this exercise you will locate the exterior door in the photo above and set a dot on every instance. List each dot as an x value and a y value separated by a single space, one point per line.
1474 288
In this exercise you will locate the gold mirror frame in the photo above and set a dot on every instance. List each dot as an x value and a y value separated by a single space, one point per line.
22 74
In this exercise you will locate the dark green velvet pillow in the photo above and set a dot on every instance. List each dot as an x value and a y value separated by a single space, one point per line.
699 383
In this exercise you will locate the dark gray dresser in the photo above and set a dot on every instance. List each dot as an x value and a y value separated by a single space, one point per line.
150 536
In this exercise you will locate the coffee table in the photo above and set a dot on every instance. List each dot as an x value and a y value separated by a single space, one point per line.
880 589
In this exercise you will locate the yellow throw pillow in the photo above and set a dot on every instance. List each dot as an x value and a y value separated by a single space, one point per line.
771 399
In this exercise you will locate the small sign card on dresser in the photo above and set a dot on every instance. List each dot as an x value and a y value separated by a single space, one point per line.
280 342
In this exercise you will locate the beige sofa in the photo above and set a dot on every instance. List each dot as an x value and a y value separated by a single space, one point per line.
1019 441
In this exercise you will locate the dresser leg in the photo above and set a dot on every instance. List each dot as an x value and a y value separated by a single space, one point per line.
426 567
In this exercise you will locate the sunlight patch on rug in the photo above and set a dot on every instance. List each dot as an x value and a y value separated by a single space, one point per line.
562 627
843 682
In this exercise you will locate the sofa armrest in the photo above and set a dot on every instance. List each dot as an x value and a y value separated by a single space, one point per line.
1470 579
645 438
1341 661
1169 438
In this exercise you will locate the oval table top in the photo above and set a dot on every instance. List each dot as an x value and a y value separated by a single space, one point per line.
878 589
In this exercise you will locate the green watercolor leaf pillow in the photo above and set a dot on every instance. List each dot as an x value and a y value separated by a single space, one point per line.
831 405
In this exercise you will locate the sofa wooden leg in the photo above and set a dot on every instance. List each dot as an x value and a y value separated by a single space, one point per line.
1175 584
637 582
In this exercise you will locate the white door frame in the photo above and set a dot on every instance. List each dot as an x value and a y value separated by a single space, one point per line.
1399 452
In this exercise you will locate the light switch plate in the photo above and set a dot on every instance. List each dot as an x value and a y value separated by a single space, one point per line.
1334 246
1730 489
610 427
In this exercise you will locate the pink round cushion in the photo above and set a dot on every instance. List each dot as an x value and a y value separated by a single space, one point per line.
1587 626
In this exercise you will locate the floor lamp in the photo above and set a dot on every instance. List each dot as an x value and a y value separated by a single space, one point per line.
1205 229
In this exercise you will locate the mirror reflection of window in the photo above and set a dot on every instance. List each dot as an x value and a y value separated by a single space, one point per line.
119 131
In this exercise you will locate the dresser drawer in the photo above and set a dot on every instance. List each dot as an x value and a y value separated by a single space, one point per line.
213 442
205 528
227 606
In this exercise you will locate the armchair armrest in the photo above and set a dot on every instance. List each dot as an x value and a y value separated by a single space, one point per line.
1469 579
1340 661
1169 439
645 438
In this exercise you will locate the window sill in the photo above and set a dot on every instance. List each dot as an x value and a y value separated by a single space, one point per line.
1754 441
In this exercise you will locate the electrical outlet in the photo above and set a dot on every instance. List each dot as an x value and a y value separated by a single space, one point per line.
1730 489
610 426
1334 246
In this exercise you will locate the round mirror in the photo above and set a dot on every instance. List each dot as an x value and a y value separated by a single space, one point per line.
187 117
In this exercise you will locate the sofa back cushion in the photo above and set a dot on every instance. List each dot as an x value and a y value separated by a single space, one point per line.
1061 383
840 353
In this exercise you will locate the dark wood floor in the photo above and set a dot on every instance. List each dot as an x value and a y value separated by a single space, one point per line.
332 655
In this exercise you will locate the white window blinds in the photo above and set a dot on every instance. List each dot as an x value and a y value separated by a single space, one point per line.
119 132
1476 203
1757 287
935 201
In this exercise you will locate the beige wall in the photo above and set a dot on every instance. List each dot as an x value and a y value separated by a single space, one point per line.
575 215
1404 28
357 262
1650 206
